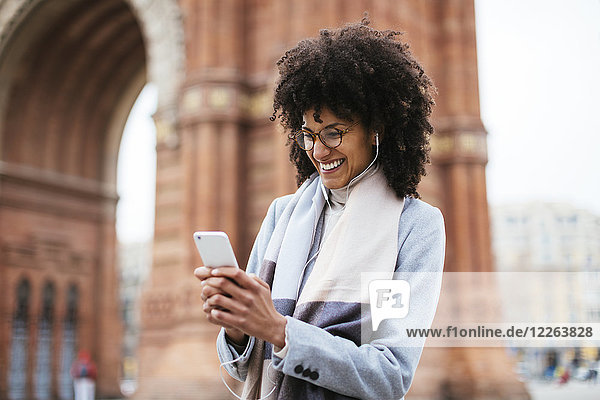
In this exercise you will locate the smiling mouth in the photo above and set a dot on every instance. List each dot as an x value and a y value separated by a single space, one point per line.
332 165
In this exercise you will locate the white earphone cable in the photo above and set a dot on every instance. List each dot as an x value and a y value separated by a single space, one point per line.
365 170
236 360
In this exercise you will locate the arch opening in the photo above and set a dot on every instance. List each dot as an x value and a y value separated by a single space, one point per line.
136 185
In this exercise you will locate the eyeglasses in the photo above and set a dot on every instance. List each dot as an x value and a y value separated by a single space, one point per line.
330 136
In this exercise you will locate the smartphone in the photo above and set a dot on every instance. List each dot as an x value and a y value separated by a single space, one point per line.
215 249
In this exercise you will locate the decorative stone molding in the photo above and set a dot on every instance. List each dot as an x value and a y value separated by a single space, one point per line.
52 254
209 98
209 101
161 22
11 14
459 139
461 144
165 308
192 100
258 104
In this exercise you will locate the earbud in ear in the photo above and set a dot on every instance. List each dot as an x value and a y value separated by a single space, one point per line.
377 139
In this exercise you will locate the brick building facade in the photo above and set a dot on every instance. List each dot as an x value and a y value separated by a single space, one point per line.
70 71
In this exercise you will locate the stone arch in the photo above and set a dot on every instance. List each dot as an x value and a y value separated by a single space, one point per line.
70 72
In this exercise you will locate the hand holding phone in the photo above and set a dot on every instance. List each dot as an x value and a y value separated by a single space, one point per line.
215 249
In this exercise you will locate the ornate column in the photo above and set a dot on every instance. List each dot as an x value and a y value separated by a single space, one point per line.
199 169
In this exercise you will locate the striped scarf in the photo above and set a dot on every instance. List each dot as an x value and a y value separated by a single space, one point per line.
363 240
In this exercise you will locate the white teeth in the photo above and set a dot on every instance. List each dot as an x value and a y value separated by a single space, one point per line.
331 165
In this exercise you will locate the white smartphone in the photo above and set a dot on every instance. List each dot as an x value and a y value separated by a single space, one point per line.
215 249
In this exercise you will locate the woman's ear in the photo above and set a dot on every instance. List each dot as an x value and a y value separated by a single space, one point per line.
377 137
375 140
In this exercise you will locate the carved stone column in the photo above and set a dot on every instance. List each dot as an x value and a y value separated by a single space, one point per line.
198 188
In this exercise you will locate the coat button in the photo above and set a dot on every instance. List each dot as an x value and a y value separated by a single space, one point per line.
306 372
314 375
298 369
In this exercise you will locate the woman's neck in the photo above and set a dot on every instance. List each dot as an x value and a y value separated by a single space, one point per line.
339 197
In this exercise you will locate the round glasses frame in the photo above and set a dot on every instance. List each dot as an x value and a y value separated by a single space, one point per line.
303 132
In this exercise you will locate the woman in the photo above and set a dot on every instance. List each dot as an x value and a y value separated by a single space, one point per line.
357 107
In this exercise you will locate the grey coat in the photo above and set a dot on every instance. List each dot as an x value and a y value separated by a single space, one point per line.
325 363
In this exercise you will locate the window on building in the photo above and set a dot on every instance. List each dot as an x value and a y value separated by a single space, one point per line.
43 369
65 385
594 315
17 372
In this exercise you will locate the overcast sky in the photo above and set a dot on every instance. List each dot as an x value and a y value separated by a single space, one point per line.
136 171
539 79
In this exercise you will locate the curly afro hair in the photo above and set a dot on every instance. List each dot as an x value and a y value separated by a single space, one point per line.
359 72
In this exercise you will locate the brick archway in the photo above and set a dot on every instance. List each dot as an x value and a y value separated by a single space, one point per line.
70 72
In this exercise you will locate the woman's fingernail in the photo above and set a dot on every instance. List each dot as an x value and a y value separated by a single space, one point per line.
215 271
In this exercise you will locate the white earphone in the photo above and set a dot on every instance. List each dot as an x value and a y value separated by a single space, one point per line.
244 353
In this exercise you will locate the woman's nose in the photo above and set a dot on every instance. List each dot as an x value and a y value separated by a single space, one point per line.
320 151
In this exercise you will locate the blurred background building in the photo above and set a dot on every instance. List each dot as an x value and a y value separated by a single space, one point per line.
563 241
70 71
545 237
